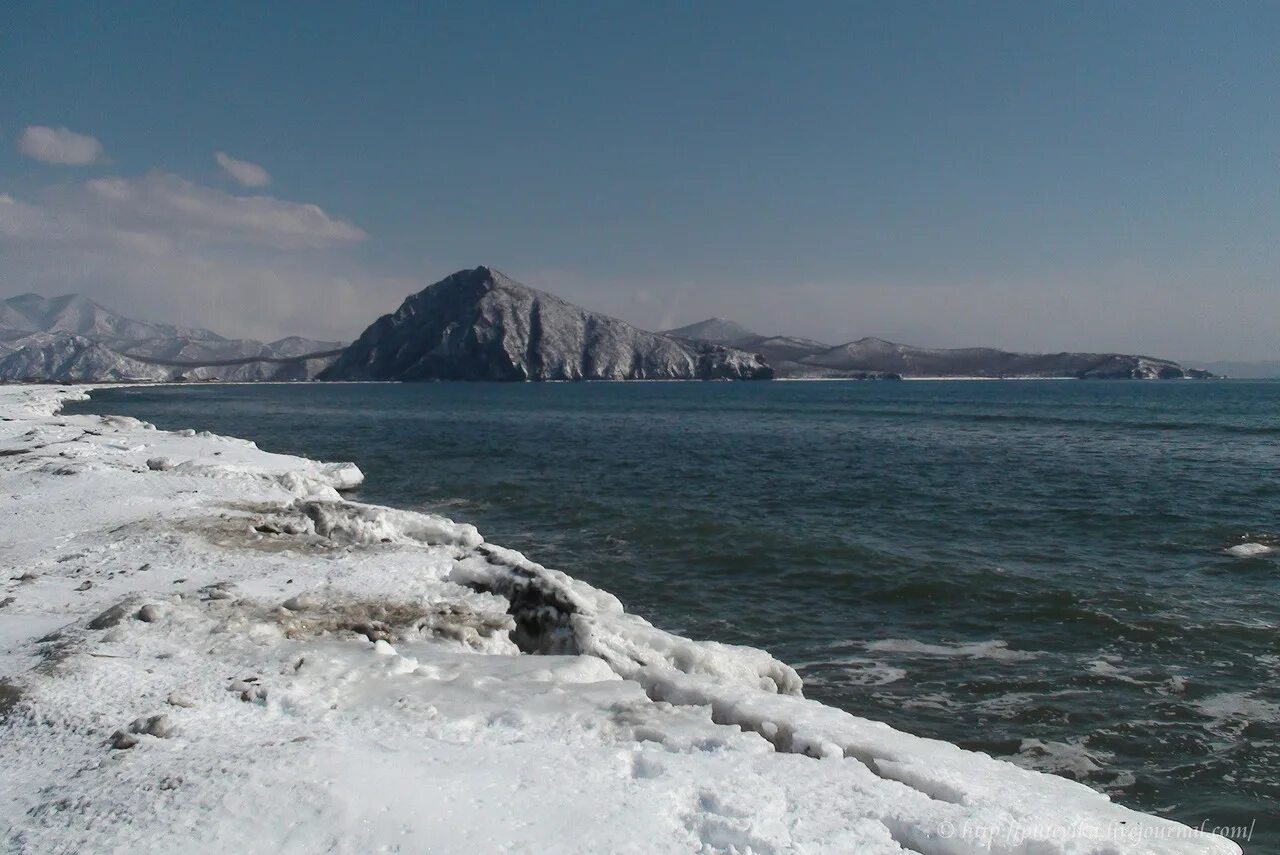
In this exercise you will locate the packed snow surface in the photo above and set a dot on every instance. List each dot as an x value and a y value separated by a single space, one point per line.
205 648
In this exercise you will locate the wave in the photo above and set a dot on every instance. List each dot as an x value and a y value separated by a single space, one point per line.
1232 710
1071 759
854 671
993 649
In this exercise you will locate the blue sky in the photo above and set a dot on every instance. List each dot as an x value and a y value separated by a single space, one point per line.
1030 175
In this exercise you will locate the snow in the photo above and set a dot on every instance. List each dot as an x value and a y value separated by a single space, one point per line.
337 676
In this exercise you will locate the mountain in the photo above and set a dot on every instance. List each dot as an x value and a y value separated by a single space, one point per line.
70 358
777 350
718 330
73 339
875 357
481 325
783 353
298 346
73 313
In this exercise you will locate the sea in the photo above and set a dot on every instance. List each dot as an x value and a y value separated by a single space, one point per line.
1045 571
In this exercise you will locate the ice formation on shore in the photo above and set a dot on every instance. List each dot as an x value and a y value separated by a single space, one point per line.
205 647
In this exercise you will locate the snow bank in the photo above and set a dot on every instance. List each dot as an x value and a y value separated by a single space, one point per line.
204 647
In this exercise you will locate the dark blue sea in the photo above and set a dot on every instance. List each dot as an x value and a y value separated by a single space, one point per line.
1037 570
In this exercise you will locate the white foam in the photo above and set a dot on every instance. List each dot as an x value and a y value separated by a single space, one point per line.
994 649
1104 668
860 671
1249 550
1238 708
1061 758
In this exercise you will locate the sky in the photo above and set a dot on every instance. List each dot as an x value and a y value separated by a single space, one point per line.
1036 176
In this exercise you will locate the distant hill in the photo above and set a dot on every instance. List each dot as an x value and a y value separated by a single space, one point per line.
73 339
780 351
880 355
874 357
716 330
482 325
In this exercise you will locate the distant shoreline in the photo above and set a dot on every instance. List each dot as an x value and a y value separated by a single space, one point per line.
201 383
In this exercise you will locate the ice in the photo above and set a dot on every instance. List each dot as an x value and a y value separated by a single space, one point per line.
296 672
352 523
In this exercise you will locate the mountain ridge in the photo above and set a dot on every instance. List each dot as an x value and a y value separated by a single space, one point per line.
71 338
479 324
869 356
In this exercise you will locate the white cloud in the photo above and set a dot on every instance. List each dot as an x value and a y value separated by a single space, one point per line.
167 204
163 206
245 174
162 248
60 146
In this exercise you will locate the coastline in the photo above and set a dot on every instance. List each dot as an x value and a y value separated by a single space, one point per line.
401 628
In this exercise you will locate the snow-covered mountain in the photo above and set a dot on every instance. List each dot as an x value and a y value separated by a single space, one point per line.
73 313
875 357
298 346
69 358
718 330
779 351
481 325
73 339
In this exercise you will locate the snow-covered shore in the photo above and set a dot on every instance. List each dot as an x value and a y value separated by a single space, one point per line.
204 647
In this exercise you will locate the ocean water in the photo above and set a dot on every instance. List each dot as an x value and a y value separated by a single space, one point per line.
1037 570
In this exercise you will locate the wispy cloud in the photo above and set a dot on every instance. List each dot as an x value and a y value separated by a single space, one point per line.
243 172
60 146
161 247
165 208
163 203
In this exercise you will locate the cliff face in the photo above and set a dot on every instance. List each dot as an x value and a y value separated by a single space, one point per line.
481 325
